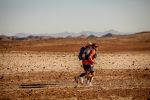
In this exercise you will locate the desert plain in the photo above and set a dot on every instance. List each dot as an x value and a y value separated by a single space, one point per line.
45 69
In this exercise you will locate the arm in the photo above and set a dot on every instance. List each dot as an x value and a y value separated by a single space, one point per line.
91 56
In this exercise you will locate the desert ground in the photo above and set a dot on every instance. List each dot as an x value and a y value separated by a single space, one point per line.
45 69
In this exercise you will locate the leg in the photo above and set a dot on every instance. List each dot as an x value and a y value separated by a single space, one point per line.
90 75
80 77
93 74
83 74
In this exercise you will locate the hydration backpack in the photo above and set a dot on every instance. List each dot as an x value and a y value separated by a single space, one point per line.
82 49
84 53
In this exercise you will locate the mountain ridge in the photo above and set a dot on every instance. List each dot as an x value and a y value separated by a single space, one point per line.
70 34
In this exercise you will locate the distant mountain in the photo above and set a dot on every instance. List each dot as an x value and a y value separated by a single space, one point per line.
144 32
140 36
82 33
83 36
3 37
6 38
92 36
144 36
69 34
22 35
112 32
64 34
86 33
108 35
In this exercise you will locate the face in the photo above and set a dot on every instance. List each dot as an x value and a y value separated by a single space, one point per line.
95 48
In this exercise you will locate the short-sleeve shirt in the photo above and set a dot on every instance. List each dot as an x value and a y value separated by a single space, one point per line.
91 57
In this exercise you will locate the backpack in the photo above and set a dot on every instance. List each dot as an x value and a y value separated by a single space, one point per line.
82 49
84 53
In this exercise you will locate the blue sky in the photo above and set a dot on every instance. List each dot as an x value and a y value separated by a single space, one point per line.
53 16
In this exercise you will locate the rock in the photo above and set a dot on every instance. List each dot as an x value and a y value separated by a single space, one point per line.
146 69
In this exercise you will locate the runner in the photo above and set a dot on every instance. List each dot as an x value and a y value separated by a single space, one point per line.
88 60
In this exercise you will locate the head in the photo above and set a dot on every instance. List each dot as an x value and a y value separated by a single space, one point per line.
94 46
89 44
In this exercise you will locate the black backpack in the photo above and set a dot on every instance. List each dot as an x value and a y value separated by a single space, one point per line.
82 49
84 53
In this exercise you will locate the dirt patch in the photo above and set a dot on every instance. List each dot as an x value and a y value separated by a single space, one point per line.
109 44
108 84
50 75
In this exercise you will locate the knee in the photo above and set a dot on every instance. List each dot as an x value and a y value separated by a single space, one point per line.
93 74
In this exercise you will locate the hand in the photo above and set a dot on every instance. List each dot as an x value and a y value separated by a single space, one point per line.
94 62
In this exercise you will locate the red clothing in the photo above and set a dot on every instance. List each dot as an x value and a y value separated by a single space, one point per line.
90 60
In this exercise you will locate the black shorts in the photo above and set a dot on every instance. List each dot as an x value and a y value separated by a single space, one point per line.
88 68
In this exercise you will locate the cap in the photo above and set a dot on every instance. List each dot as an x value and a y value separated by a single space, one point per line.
94 45
89 44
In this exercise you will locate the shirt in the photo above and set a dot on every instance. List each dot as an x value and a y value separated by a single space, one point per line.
90 60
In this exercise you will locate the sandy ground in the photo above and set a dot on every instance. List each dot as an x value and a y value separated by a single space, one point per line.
16 62
50 75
